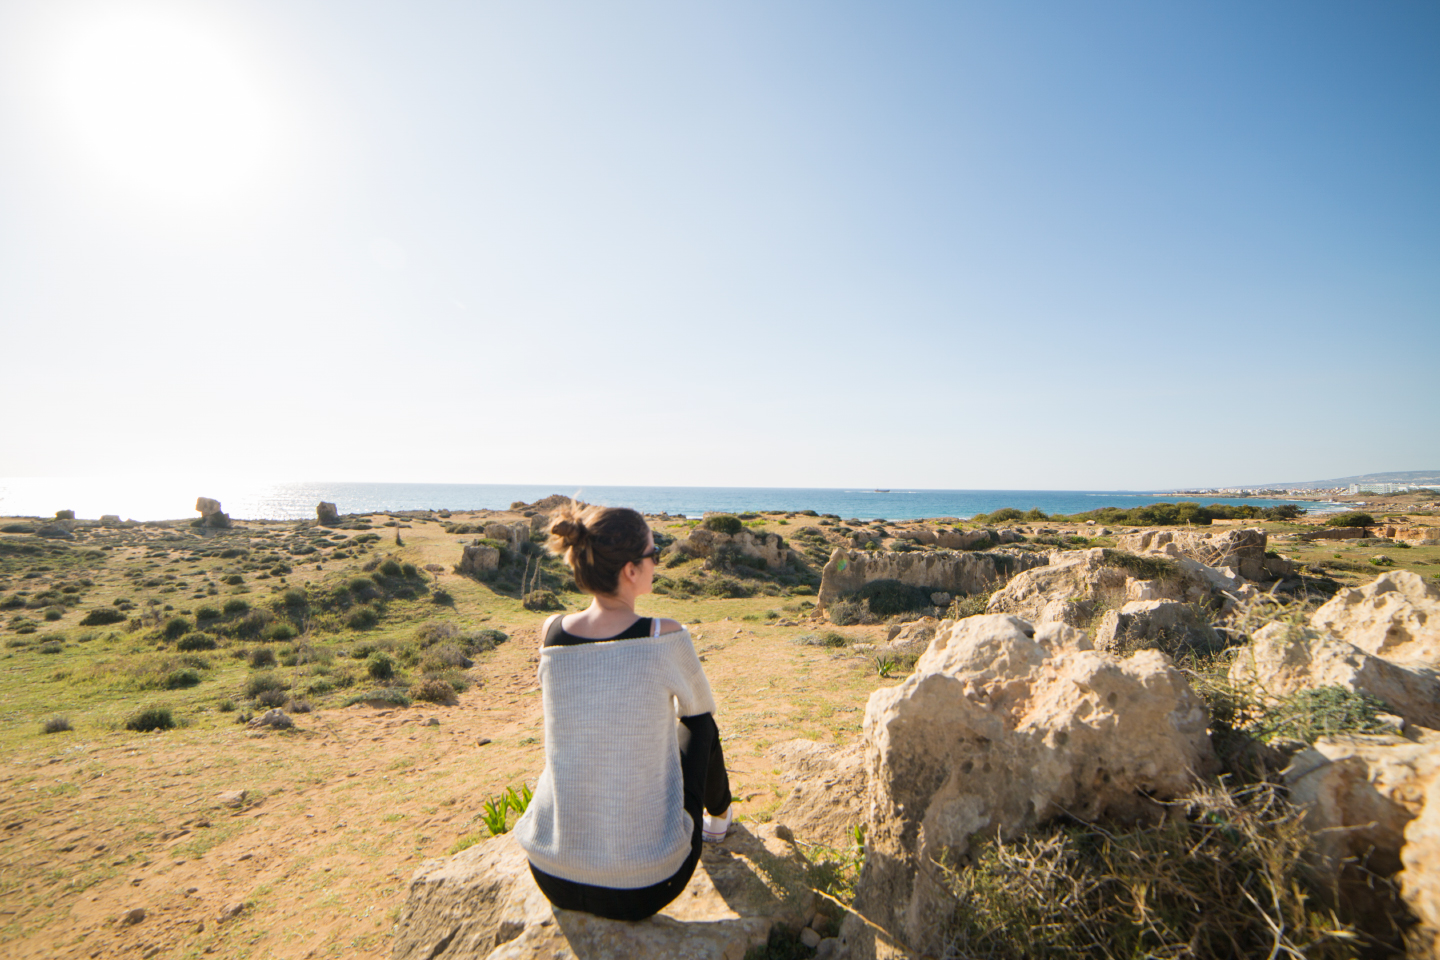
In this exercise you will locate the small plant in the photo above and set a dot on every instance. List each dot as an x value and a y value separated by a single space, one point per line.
207 613
380 666
885 666
195 641
724 523
271 698
442 598
236 607
493 814
279 632
180 679
362 618
827 639
102 618
56 724
433 690
151 718
391 569
542 600
262 681
176 627
225 706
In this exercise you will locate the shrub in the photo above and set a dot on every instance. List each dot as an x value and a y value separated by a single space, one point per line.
102 618
1320 712
392 695
1354 518
362 618
887 598
279 632
363 588
56 725
478 641
845 613
294 598
253 624
724 523
195 641
728 587
233 580
207 613
50 646
226 706
236 607
179 679
433 690
176 627
391 568
54 613
151 718
261 681
542 600
1002 515
409 571
271 698
380 666
443 598
827 639
261 657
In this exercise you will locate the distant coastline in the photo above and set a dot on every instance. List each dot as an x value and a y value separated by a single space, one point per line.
149 499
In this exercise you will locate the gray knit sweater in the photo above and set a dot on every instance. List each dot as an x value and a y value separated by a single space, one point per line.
609 807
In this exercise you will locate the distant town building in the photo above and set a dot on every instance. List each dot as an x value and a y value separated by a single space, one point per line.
1381 488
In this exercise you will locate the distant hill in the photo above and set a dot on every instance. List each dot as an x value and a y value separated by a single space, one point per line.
1421 477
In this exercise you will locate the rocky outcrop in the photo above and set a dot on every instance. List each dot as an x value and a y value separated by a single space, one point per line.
1395 616
769 548
1283 659
477 558
1420 878
1243 551
513 535
210 514
1156 624
1076 583
1002 727
1333 533
951 572
482 904
952 539
326 513
915 635
826 801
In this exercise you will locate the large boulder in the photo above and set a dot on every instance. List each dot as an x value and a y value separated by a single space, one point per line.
326 513
483 904
1243 551
1395 616
826 801
1156 624
767 547
1420 878
477 558
513 535
1333 533
1077 583
210 514
1002 727
955 573
1283 659
206 506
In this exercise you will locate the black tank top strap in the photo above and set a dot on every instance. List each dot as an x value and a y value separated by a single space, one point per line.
558 636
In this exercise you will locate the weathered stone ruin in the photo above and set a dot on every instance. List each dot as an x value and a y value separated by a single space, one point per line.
210 514
326 513
955 573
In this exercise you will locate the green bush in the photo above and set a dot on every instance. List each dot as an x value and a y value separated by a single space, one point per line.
887 598
176 627
724 523
279 632
151 718
236 607
845 613
56 725
1354 518
179 679
409 571
102 617
391 568
54 613
195 641
233 580
362 618
380 666
294 598
272 698
728 587
999 516
541 600
433 690
207 613
259 682
261 657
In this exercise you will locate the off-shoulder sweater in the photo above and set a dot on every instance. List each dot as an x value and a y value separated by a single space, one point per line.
609 809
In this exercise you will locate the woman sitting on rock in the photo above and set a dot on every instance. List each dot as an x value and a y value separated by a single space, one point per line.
634 777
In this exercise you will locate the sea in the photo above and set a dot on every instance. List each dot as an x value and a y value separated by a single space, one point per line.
172 498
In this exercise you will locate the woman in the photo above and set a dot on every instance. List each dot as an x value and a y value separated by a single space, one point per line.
634 777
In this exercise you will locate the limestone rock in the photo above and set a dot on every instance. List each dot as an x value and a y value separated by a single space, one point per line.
513 535
1395 616
1420 879
1242 550
478 558
1070 586
827 790
1282 659
206 506
274 719
326 513
710 544
1333 533
1156 624
1001 727
483 903
958 574
916 634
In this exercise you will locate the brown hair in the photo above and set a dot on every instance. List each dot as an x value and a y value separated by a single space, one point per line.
597 542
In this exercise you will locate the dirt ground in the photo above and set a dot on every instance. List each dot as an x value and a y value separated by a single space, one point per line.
297 844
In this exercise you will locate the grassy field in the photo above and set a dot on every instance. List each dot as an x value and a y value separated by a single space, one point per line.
299 843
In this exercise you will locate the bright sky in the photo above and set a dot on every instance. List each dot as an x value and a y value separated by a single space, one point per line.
951 245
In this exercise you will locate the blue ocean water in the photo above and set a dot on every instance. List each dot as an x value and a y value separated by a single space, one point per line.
166 498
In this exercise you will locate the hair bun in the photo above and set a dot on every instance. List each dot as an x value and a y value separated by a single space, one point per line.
571 532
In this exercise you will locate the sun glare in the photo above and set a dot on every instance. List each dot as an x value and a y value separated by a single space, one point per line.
165 109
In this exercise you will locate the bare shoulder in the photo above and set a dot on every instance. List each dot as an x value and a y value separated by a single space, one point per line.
668 626
545 628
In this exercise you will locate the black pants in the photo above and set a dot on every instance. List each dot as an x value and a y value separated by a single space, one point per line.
707 785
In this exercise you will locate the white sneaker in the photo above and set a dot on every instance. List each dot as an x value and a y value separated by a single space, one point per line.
714 828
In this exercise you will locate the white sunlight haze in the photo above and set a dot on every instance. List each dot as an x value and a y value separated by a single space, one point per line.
981 245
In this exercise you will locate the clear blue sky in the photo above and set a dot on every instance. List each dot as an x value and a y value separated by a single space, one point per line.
949 245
